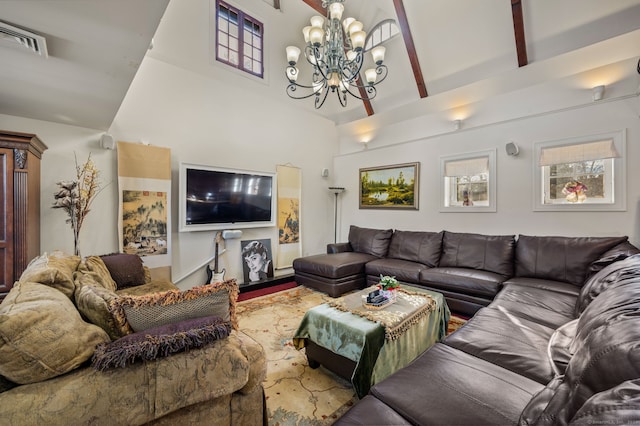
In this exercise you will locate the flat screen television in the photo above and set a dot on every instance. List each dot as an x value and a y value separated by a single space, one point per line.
213 198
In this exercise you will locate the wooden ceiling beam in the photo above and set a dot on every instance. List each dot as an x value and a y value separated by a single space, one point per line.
518 31
317 6
403 22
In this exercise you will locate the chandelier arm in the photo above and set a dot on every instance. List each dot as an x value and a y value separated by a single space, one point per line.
342 97
371 91
323 94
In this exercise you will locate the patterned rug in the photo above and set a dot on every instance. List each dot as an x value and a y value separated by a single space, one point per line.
296 394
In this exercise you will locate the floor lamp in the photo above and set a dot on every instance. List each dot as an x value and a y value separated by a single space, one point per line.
337 190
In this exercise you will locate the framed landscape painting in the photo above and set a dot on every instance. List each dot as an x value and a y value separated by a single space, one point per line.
390 187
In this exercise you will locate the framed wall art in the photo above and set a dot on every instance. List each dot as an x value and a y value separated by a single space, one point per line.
390 187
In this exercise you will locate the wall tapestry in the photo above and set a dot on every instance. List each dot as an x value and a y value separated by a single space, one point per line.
144 186
289 191
257 261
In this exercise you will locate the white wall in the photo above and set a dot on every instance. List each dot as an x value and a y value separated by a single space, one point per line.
206 122
515 213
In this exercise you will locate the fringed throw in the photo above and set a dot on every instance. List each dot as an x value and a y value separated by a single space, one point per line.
160 342
410 307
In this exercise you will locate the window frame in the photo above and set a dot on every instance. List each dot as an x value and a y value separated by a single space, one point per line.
242 15
446 183
617 173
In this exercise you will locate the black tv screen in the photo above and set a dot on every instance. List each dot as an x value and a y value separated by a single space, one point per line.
213 198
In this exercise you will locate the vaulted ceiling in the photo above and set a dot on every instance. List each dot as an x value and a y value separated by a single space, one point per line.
454 49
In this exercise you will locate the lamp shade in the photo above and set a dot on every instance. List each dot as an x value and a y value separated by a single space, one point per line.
354 27
370 75
305 33
293 53
316 35
317 21
335 10
357 39
378 54
346 23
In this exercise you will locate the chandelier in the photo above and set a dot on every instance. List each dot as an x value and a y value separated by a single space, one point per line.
335 51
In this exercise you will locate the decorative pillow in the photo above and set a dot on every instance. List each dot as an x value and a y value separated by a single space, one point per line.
100 275
125 269
160 341
370 241
93 301
55 270
137 313
42 334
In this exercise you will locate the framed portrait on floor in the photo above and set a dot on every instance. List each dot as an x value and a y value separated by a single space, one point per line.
257 260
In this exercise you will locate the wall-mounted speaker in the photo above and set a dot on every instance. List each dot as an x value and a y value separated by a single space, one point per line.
231 234
107 142
512 149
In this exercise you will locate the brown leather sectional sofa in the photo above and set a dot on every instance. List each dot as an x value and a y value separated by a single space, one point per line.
557 343
468 269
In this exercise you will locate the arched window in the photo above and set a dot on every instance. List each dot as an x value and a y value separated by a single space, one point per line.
381 32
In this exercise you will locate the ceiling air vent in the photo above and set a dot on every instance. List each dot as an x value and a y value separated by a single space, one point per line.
15 37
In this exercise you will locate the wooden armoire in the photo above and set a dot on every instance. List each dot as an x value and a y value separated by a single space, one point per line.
20 155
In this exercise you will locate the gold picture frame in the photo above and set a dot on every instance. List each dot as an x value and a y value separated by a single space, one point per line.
393 187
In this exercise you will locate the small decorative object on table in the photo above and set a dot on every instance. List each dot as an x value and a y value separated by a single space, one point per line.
389 286
376 300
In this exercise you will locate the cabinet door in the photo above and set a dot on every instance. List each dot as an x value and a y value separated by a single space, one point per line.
6 219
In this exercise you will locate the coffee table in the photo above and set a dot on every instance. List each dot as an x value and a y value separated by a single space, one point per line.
341 338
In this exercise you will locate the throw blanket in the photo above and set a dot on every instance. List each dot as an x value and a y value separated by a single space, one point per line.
410 307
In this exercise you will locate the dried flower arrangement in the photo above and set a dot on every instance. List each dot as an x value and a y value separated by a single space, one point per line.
76 196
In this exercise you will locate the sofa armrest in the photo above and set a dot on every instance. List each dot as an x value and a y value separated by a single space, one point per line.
333 248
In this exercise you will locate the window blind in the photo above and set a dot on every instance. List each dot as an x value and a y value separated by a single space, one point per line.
467 167
577 153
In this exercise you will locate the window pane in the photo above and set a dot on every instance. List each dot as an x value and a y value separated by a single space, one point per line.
257 55
233 58
223 25
223 53
233 44
223 39
257 67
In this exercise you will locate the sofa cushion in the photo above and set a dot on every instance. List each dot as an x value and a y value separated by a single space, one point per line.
564 259
97 270
335 265
160 342
549 308
42 334
493 253
628 269
420 247
614 254
445 386
55 270
137 313
463 280
93 302
404 270
517 344
126 270
370 241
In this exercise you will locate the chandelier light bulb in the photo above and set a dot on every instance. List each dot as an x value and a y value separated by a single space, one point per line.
344 86
335 10
316 36
334 80
351 55
346 23
317 21
305 33
357 39
293 53
378 54
370 75
354 27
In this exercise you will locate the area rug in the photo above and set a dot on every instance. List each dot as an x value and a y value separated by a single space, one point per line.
296 394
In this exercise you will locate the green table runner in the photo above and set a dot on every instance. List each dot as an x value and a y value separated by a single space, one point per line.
363 341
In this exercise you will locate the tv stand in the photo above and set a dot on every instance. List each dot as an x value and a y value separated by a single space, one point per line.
259 285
